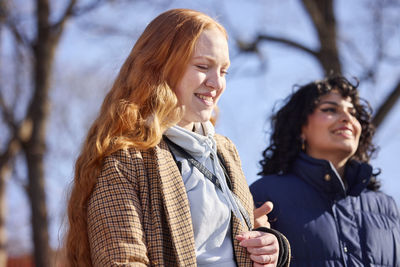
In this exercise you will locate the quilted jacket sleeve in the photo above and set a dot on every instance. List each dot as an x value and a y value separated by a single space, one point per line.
115 229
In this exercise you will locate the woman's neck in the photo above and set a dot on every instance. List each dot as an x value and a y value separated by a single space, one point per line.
338 161
187 125
340 167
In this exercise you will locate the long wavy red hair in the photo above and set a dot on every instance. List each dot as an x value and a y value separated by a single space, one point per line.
140 106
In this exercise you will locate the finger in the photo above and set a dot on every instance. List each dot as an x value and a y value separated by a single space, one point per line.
243 236
268 250
248 234
264 209
261 221
264 259
258 239
255 264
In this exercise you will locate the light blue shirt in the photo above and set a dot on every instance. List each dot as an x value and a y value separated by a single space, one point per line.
210 207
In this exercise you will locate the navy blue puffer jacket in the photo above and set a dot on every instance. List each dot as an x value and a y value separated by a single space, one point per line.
328 223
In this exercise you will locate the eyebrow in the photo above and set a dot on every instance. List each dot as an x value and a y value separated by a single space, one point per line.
211 59
334 103
328 102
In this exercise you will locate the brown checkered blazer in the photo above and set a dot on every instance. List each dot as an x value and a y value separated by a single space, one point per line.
139 214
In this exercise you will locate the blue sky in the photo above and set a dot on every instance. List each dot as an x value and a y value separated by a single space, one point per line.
87 62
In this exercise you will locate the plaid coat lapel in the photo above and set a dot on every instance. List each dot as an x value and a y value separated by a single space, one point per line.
176 206
177 203
149 199
229 154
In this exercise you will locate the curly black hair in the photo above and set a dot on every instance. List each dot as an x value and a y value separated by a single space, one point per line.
286 124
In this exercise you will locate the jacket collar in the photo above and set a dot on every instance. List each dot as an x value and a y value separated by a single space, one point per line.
323 176
198 144
176 204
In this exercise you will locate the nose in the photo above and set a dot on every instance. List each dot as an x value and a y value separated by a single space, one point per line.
346 116
215 81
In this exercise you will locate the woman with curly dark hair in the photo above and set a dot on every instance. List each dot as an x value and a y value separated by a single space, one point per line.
316 172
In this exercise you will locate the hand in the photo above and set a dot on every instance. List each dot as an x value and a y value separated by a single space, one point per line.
263 247
260 215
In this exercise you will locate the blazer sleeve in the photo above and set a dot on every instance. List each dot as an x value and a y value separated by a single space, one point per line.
115 231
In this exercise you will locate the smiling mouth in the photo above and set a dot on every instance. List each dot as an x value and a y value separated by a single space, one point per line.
207 99
344 132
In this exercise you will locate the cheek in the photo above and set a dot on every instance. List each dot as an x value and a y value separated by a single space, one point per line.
357 126
223 89
182 90
178 93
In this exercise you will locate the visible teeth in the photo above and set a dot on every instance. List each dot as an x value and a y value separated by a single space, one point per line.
347 132
206 98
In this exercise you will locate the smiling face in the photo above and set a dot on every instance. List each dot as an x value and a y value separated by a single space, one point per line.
203 82
332 132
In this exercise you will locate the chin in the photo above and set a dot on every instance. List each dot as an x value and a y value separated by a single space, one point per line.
347 151
204 120
204 117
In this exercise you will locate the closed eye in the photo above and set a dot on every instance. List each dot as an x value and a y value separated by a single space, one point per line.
329 110
224 72
353 112
202 67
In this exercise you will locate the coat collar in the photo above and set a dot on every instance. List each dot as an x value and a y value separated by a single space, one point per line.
322 176
175 201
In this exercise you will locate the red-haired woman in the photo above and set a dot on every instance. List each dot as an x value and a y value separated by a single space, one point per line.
154 185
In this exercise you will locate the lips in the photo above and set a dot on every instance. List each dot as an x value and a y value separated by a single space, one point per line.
344 131
208 99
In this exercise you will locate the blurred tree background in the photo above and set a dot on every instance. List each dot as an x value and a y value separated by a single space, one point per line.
58 59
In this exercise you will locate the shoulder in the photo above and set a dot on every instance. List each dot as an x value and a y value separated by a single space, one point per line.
381 202
117 183
223 141
275 180
276 187
122 165
124 158
226 145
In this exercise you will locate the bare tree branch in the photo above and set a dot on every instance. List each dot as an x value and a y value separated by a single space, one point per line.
18 35
288 42
323 19
16 176
89 7
73 11
8 116
11 150
11 24
106 29
253 46
20 132
59 26
387 105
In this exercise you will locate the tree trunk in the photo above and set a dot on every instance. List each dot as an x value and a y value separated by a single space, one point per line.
387 106
3 172
5 168
3 231
36 193
323 18
35 148
32 143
